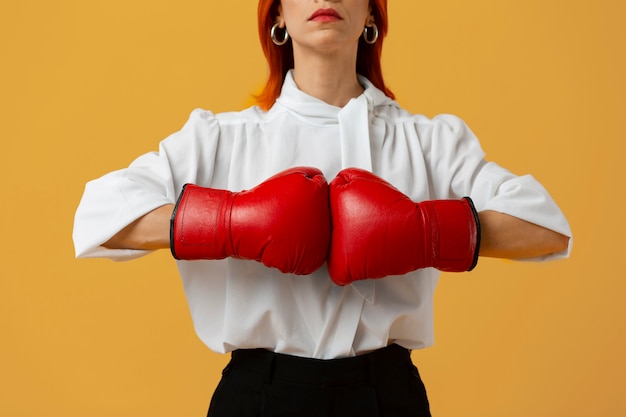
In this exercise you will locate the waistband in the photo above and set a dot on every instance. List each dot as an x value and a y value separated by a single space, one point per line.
363 368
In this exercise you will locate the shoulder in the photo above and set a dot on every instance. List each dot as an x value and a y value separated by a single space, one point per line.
442 124
442 135
253 114
204 128
446 125
203 124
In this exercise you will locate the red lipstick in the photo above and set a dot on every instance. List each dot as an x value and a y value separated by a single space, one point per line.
325 15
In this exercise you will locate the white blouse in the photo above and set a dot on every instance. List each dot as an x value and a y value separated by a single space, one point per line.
243 304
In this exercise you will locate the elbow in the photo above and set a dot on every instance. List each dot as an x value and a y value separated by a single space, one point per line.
560 243
546 245
563 243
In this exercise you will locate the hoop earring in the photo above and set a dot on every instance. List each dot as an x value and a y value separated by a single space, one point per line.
375 38
278 42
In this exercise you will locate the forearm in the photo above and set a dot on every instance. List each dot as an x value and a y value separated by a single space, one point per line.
505 236
149 232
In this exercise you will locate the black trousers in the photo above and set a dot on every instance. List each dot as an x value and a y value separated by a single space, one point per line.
259 383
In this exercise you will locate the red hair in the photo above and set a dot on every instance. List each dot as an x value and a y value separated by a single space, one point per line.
280 58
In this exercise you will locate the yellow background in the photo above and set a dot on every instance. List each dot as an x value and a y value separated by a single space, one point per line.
85 87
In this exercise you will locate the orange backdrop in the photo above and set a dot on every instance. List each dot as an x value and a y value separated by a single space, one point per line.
86 86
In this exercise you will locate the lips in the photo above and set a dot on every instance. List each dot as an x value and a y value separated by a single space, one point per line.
325 15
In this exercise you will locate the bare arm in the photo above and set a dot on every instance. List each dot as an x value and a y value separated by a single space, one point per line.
505 236
150 232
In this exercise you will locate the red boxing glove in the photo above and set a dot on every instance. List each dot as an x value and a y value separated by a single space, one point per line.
283 222
378 231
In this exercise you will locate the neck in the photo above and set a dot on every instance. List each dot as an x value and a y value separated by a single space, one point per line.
330 77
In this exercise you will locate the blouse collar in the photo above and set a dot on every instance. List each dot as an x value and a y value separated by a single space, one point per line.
316 111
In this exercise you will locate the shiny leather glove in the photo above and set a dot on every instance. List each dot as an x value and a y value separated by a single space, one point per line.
378 231
284 222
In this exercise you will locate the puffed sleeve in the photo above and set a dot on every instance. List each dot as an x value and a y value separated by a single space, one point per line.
458 168
118 198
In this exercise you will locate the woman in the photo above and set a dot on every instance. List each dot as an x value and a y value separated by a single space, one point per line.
310 330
